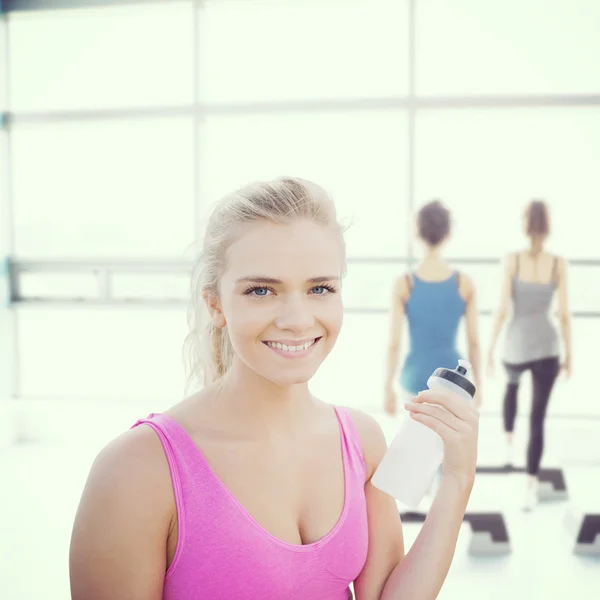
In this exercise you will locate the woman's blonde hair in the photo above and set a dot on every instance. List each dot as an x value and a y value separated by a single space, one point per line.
208 350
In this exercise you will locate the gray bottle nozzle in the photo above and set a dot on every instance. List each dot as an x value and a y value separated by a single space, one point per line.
463 366
458 376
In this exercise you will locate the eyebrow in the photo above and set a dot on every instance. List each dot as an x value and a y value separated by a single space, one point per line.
272 281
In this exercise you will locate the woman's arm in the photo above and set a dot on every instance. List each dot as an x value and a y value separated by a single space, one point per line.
502 312
564 315
119 540
388 574
386 541
472 330
399 295
422 573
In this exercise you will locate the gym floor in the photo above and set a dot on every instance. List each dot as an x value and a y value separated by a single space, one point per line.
42 482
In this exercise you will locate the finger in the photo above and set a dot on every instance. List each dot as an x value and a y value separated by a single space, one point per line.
440 414
452 402
445 432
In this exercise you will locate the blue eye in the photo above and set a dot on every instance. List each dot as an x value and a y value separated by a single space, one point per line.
257 291
322 290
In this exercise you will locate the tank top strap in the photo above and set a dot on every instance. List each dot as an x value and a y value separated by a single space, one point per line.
170 439
188 456
168 430
353 453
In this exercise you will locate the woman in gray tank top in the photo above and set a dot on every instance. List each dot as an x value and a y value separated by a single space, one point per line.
531 280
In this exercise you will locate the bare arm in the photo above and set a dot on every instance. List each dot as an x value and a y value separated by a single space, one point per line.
399 296
422 573
386 541
564 314
118 545
388 574
472 330
502 312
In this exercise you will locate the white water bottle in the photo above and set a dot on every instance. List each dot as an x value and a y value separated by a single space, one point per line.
416 453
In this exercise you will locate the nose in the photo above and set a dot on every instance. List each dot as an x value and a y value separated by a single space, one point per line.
296 314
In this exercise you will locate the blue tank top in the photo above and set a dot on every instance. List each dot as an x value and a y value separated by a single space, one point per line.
433 311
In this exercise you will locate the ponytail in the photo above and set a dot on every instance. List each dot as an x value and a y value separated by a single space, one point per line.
220 353
208 352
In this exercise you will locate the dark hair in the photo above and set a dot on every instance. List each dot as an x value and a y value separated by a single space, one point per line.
538 220
433 221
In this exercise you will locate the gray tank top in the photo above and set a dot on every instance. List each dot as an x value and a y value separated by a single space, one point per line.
531 334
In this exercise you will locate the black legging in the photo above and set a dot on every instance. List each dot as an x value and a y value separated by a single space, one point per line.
543 375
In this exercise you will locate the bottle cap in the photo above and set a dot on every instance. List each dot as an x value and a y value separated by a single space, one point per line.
457 376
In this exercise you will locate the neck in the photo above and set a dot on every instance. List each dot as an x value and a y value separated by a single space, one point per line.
432 254
258 403
536 245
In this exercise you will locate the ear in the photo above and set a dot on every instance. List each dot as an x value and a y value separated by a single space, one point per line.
215 310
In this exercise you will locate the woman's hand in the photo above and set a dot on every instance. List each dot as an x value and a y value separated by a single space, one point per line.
457 423
566 366
390 401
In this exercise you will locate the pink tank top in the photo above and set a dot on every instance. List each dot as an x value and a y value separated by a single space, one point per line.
223 553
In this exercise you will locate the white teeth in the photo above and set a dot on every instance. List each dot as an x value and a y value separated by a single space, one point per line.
287 348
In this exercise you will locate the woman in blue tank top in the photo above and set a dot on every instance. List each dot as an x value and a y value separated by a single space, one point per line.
434 299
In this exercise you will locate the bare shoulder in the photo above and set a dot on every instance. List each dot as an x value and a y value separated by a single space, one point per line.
402 287
138 448
466 285
563 263
130 474
509 265
371 437
510 261
123 522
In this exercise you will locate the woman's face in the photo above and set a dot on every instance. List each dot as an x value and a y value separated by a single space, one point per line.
280 298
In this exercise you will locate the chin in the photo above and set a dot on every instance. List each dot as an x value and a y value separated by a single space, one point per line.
291 378
280 375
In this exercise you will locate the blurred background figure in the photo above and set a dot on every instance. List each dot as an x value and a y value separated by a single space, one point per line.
433 298
532 278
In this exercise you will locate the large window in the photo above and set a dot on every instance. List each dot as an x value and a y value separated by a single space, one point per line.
101 353
488 163
511 47
100 58
273 50
129 120
3 64
112 188
359 156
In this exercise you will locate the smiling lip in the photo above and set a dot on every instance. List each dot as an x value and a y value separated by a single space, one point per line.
292 348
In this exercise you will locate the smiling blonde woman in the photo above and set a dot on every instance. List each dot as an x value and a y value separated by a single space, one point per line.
252 487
